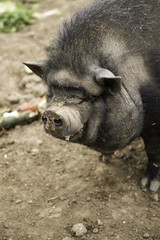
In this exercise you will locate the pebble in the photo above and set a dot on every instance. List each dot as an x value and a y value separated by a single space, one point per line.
35 151
146 235
100 223
18 201
154 197
63 198
7 163
88 199
95 230
39 142
79 229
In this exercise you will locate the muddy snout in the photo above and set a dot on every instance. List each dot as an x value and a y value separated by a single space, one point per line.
62 121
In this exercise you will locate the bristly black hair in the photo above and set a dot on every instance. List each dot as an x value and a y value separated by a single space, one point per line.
80 38
151 103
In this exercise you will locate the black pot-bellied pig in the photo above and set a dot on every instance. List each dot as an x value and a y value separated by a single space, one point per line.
103 78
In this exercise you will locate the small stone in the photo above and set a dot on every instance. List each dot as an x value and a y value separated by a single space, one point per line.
88 199
35 151
52 199
79 229
88 220
146 235
95 230
39 142
154 197
7 163
18 201
100 223
63 198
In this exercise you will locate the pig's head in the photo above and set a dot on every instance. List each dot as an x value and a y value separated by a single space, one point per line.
93 108
76 104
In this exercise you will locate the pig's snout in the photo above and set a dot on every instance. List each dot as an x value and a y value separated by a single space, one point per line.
62 121
50 117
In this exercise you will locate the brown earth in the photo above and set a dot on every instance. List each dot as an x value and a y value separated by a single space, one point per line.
47 185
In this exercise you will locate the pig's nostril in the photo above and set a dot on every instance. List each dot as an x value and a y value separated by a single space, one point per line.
57 122
44 119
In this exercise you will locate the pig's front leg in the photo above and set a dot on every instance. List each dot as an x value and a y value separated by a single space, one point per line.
152 175
151 137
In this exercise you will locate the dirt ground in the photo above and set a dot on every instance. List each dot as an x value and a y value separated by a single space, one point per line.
48 185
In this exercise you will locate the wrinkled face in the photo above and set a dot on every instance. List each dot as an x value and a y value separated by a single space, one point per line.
69 106
77 105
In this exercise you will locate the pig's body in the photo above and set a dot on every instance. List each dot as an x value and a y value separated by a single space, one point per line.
103 77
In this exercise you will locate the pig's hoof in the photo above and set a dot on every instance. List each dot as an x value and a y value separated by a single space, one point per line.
152 183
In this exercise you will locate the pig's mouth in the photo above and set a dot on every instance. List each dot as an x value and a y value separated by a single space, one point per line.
73 138
63 123
76 137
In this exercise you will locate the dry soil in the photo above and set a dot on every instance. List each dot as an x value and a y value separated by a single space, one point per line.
48 185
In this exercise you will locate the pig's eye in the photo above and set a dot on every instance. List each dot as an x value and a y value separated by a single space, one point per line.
85 99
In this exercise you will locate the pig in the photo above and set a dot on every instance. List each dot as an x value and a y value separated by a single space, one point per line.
102 73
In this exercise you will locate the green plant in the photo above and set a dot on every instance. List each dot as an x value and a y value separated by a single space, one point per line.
14 16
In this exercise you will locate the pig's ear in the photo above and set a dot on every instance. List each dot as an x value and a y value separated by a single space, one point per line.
108 80
37 67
